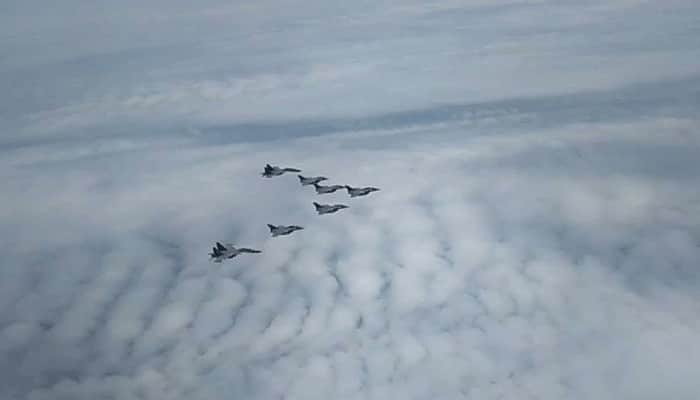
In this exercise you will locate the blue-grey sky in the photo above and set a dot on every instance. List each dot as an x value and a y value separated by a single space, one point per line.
537 235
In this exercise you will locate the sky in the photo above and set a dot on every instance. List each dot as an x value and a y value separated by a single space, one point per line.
536 235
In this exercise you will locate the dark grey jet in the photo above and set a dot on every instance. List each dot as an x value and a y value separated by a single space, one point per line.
355 192
281 230
328 208
320 189
311 180
271 171
221 252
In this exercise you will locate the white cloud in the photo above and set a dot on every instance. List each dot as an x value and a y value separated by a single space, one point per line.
536 235
477 273
222 64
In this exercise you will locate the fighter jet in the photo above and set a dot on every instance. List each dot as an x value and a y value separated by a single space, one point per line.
271 171
355 192
221 252
311 180
280 230
320 189
328 208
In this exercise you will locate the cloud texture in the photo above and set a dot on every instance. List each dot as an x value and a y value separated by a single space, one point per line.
537 235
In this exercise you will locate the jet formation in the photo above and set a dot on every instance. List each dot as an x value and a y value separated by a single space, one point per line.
222 252
363 191
282 230
320 189
328 208
270 171
311 180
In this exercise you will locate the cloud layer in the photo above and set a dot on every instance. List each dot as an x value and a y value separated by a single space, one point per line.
537 234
